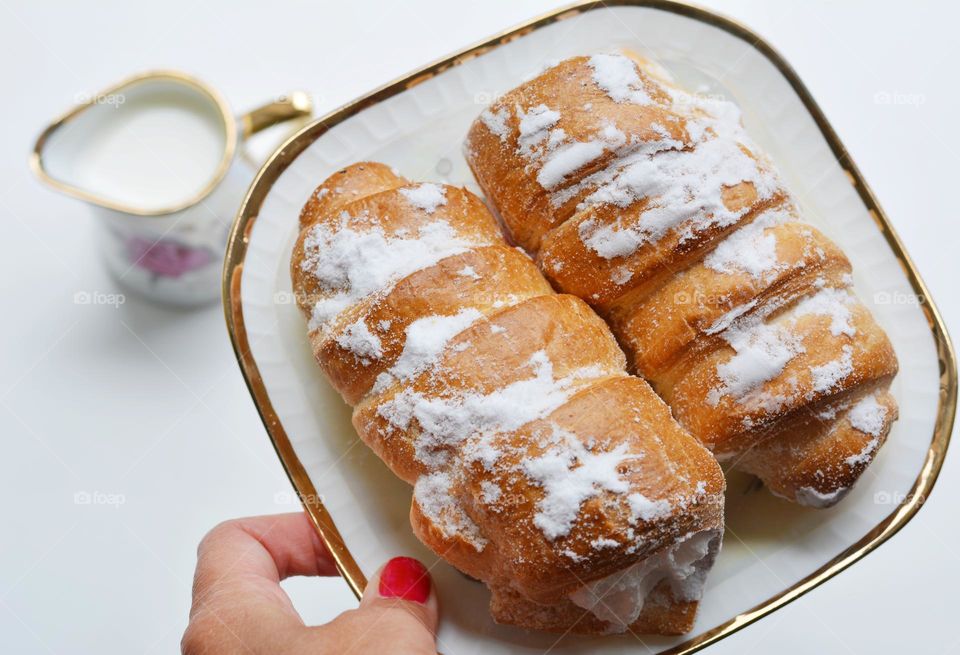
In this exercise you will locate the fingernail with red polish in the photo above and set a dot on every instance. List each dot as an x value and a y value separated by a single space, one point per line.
405 578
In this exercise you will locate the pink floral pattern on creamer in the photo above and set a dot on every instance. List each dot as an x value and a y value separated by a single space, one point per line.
166 257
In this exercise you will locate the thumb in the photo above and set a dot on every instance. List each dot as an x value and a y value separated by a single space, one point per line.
401 600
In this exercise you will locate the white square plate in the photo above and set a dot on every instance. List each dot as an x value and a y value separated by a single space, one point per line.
773 551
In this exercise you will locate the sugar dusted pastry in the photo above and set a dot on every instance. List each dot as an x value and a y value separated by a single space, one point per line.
539 466
654 206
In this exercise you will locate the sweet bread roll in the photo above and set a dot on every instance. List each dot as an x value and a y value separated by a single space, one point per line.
654 206
539 466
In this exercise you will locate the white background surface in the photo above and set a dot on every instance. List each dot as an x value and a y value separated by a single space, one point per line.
148 404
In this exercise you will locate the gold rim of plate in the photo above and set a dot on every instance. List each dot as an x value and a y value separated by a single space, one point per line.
278 162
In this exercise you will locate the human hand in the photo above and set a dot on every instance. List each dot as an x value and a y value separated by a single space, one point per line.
239 606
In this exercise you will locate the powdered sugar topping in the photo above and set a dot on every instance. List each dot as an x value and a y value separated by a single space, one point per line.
678 185
535 127
433 495
566 160
868 415
426 338
647 510
358 339
831 302
468 271
618 76
826 376
761 353
496 121
426 196
570 474
751 249
353 264
449 420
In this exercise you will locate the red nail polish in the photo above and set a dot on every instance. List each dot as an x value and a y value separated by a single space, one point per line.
405 578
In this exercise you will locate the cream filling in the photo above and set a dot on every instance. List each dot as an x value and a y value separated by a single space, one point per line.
619 598
810 497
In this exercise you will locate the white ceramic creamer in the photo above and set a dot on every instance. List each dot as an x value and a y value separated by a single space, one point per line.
157 157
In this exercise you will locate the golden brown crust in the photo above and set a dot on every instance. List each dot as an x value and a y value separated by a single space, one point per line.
431 290
628 415
544 324
468 370
662 614
511 183
730 424
345 186
816 457
571 265
501 275
688 311
626 412
681 236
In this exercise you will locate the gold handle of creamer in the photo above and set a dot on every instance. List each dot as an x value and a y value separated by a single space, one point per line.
293 105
